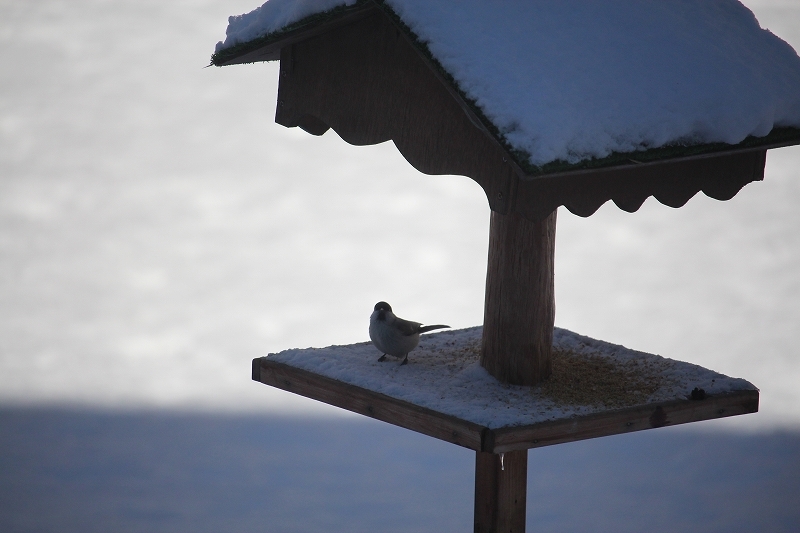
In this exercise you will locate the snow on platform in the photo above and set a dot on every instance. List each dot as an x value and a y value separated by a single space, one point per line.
596 389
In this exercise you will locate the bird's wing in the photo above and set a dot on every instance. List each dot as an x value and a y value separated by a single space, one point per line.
406 327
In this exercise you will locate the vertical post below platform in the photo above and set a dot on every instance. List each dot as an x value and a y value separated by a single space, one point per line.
518 320
500 492
520 309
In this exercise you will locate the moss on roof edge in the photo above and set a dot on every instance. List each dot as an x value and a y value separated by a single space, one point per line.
778 135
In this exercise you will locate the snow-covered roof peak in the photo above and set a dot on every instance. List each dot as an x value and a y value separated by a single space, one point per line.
580 79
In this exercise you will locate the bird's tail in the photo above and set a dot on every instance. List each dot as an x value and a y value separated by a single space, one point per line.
423 329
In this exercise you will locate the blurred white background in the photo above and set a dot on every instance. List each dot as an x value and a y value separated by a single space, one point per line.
158 230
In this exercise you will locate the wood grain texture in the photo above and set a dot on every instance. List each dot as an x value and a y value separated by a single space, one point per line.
369 83
499 440
370 403
501 485
519 310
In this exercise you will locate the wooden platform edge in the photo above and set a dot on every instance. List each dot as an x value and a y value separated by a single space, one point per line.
625 420
369 403
480 438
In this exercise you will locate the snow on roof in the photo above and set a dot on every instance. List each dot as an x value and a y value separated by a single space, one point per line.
579 79
444 374
273 16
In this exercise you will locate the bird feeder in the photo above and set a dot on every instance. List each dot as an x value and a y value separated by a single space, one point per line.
373 71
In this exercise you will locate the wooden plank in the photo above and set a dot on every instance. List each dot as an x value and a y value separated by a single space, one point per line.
499 440
369 403
501 484
520 307
624 421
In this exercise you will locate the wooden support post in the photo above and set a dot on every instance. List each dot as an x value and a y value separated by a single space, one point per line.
500 491
519 312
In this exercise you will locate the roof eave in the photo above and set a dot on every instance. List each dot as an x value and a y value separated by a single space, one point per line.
268 47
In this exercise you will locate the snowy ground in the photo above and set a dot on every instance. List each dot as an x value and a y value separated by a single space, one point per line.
158 230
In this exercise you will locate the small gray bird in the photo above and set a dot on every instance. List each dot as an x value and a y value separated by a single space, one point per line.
392 335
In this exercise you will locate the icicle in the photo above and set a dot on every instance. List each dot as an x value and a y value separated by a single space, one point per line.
502 466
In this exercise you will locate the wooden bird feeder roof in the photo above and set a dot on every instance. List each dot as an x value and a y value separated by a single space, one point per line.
361 70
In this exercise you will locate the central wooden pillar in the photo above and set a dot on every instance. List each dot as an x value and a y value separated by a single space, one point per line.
520 307
519 315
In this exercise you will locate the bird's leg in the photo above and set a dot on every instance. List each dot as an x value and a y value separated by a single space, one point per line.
383 358
405 360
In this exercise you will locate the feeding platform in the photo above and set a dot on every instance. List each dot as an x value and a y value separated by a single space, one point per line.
596 389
